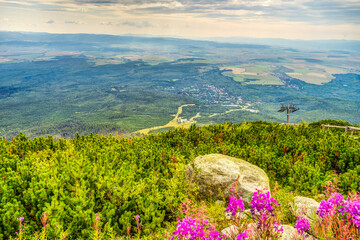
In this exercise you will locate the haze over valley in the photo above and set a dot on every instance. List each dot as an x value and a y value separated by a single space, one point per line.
61 84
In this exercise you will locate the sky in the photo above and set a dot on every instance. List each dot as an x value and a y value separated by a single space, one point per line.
288 19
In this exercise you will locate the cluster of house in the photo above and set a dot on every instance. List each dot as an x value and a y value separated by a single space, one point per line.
182 120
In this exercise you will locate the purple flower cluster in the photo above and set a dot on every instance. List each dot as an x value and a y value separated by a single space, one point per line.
278 229
266 222
262 208
235 204
262 203
302 225
353 208
327 207
337 204
192 228
263 221
213 234
242 236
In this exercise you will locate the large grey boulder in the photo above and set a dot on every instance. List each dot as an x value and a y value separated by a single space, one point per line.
215 173
306 207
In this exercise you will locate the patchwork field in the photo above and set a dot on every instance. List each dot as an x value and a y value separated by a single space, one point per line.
264 73
252 74
314 74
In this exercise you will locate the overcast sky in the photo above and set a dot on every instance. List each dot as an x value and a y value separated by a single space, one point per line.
290 19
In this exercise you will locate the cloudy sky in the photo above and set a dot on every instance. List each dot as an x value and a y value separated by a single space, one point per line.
290 19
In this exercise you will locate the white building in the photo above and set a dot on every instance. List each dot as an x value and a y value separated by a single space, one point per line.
251 110
182 120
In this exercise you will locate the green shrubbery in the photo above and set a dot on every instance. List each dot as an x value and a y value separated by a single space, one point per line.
117 178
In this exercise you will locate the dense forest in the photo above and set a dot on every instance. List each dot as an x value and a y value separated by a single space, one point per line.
65 185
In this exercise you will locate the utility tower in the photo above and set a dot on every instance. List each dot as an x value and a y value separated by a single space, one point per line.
289 107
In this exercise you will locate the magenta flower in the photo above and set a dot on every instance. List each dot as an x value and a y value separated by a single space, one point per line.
353 208
21 219
191 228
278 228
213 234
205 222
302 225
262 203
187 228
262 221
327 207
242 236
137 217
235 204
337 204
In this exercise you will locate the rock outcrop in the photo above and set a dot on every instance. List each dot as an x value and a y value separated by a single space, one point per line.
306 207
215 173
231 231
289 233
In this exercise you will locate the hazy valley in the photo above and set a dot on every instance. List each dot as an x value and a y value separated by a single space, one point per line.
61 84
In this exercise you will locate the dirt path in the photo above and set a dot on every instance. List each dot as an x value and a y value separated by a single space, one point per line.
172 123
229 111
196 116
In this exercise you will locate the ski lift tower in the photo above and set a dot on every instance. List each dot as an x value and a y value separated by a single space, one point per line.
289 107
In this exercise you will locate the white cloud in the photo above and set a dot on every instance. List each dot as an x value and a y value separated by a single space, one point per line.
107 23
260 18
74 22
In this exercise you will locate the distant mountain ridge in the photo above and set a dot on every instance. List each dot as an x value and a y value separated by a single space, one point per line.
23 37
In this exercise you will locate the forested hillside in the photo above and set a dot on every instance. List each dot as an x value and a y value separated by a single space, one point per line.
112 179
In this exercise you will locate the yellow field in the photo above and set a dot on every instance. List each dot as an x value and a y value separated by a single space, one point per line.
235 70
314 74
260 72
331 70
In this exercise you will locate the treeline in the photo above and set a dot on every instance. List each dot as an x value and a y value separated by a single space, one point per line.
116 178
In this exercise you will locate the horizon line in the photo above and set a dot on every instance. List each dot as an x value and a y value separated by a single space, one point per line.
213 39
